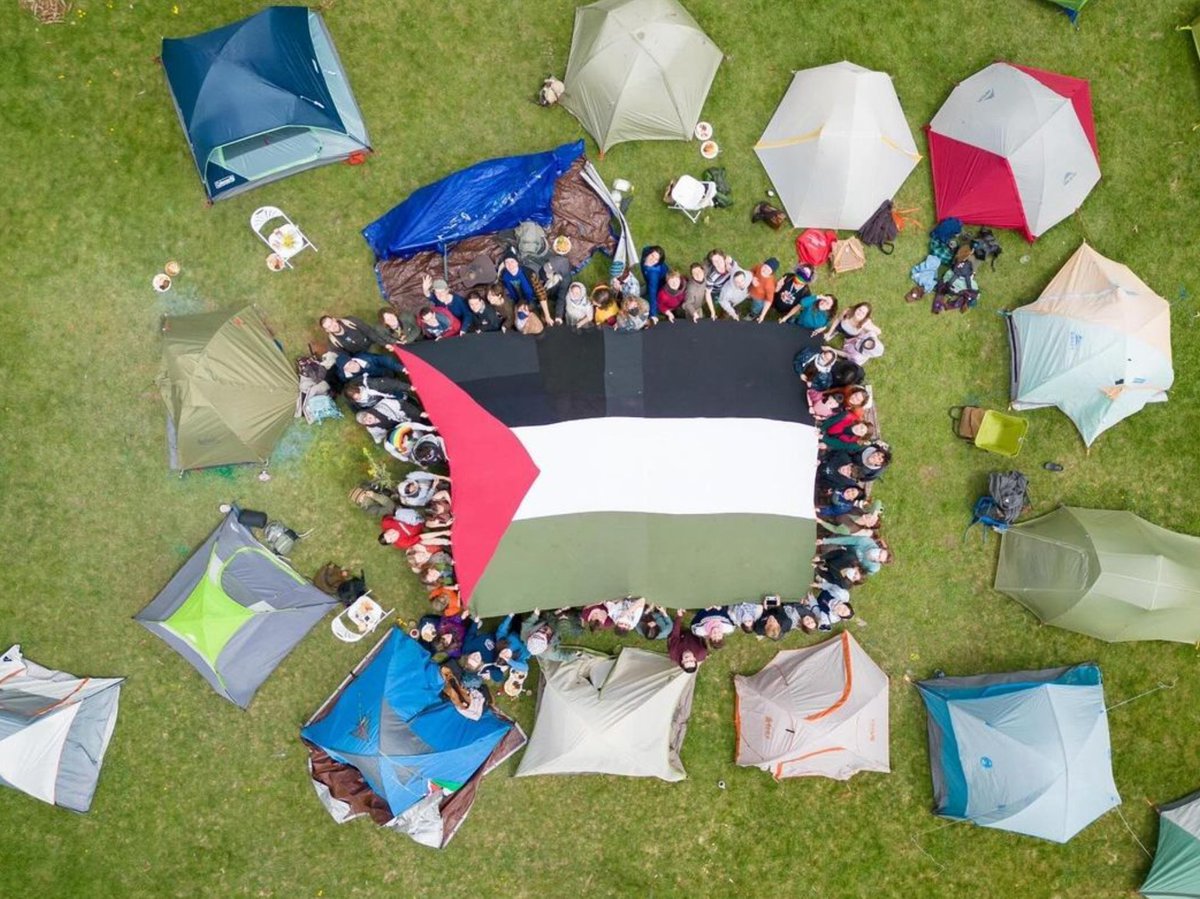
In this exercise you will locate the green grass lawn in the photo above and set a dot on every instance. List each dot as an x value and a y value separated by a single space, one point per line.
200 799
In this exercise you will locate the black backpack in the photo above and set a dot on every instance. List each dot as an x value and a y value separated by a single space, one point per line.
723 198
985 246
880 229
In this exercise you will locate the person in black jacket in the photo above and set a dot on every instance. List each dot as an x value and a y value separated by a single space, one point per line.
352 335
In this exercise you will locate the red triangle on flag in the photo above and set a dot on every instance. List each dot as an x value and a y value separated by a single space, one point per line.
490 468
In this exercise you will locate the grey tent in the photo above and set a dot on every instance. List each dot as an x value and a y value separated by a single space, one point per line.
54 730
639 70
234 611
1110 575
603 715
230 390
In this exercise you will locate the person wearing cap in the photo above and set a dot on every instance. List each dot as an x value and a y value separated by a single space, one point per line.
514 280
439 295
762 289
352 335
437 322
684 648
654 272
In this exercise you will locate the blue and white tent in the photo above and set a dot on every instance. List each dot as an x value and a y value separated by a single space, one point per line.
1026 751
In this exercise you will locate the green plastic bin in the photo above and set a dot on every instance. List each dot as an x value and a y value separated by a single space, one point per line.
1000 433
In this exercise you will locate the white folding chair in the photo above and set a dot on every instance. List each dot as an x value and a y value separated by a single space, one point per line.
360 619
692 196
285 239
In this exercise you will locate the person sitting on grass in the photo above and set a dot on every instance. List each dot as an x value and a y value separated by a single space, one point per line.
684 648
852 322
871 460
792 288
816 367
718 269
368 392
511 651
803 615
713 625
554 281
858 521
836 470
762 289
812 313
605 307
697 297
655 624
347 368
823 405
744 614
379 421
774 623
870 553
654 272
840 567
416 444
514 280
850 439
734 292
402 529
485 317
425 555
634 315
496 299
446 600
439 295
671 295
398 330
576 311
527 322
352 335
624 614
436 323
541 634
842 502
595 617
419 487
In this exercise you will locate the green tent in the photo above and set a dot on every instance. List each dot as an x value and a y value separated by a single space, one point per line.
1176 868
1110 575
1070 7
229 389
1194 28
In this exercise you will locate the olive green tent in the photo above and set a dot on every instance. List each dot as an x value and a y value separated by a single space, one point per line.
229 389
1110 575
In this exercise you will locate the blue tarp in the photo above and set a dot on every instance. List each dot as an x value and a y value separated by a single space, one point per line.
489 196
393 724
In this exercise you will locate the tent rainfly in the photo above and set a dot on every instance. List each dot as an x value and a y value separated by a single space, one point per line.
838 146
821 710
1096 344
262 98
602 715
230 390
1110 575
1026 751
1072 8
388 744
1014 147
1176 869
638 70
54 730
234 611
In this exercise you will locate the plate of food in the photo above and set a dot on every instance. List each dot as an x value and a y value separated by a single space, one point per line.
709 149
562 245
275 262
704 131
161 282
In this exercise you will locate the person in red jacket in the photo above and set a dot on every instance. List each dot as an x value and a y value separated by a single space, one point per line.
684 648
401 529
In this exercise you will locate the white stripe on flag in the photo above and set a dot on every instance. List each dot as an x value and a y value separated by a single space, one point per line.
674 466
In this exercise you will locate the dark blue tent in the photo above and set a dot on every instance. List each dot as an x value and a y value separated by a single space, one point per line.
262 99
489 196
392 723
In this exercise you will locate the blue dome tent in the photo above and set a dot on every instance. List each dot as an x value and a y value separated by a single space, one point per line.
1026 751
262 98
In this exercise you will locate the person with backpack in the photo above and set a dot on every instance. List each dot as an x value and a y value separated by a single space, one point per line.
352 335
654 272
438 294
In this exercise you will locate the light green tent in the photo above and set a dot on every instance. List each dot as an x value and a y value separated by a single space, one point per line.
1110 575
639 70
229 389
1176 868
1194 28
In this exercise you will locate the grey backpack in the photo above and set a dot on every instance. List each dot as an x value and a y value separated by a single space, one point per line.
279 538
532 245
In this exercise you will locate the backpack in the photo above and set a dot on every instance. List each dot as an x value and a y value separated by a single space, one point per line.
723 198
985 246
1009 494
880 229
330 577
373 500
814 246
532 245
352 588
279 538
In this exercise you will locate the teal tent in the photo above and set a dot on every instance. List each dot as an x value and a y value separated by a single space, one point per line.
1026 751
1176 868
262 98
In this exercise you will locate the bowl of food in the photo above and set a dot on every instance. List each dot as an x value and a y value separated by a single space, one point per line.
172 268
275 262
703 131
161 282
709 149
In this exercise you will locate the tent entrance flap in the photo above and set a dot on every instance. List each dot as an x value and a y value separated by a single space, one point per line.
265 154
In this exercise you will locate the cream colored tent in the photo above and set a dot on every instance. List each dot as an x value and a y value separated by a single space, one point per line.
818 711
54 730
837 146
603 715
639 70
1096 344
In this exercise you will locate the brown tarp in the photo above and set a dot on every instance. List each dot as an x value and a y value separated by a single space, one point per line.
578 213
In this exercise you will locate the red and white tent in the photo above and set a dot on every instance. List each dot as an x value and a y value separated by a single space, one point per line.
1014 147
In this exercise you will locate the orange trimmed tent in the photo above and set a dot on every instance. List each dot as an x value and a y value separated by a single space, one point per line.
818 711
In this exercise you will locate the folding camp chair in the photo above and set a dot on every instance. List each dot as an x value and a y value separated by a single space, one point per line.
285 239
691 196
360 619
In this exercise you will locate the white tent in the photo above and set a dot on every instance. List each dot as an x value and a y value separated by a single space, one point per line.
837 146
603 715
818 711
54 730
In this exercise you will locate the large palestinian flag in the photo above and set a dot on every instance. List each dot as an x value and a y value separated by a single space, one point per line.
675 463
